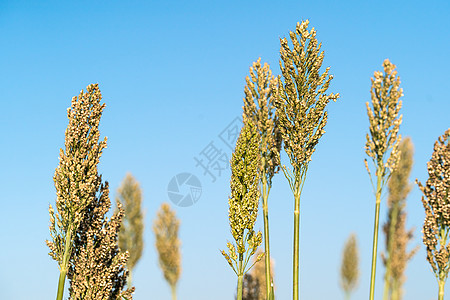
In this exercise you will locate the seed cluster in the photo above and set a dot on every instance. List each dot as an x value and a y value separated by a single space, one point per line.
399 188
84 241
301 99
436 202
244 199
99 268
349 267
131 231
76 177
260 90
384 120
168 244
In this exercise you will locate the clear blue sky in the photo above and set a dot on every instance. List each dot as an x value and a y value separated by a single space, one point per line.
172 77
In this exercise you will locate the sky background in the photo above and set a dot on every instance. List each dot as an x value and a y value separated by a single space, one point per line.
172 75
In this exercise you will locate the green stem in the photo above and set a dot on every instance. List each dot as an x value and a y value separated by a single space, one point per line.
173 288
240 286
296 245
64 264
265 196
441 289
393 224
395 290
347 295
61 281
375 236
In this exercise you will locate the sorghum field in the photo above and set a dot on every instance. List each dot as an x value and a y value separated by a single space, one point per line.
224 150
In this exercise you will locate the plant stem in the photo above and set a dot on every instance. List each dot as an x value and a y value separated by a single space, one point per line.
173 287
395 290
375 234
61 281
347 295
441 289
387 278
296 242
265 196
240 286
64 264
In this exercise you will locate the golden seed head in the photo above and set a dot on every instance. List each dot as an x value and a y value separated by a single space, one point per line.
168 244
260 91
399 188
131 232
96 268
301 99
436 201
384 120
99 269
350 265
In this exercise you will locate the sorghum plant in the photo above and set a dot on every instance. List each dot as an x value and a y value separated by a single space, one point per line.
436 201
300 108
349 267
168 245
131 231
243 203
397 237
258 106
77 181
99 269
382 143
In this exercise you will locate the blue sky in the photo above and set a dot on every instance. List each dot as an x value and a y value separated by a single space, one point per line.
172 77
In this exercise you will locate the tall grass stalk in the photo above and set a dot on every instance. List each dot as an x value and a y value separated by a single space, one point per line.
397 237
168 245
76 177
435 200
258 106
132 229
300 108
243 203
382 143
84 242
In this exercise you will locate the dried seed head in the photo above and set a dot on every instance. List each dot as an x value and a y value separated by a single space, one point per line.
168 244
399 188
76 177
384 120
260 90
436 202
301 99
96 268
129 195
99 268
349 267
